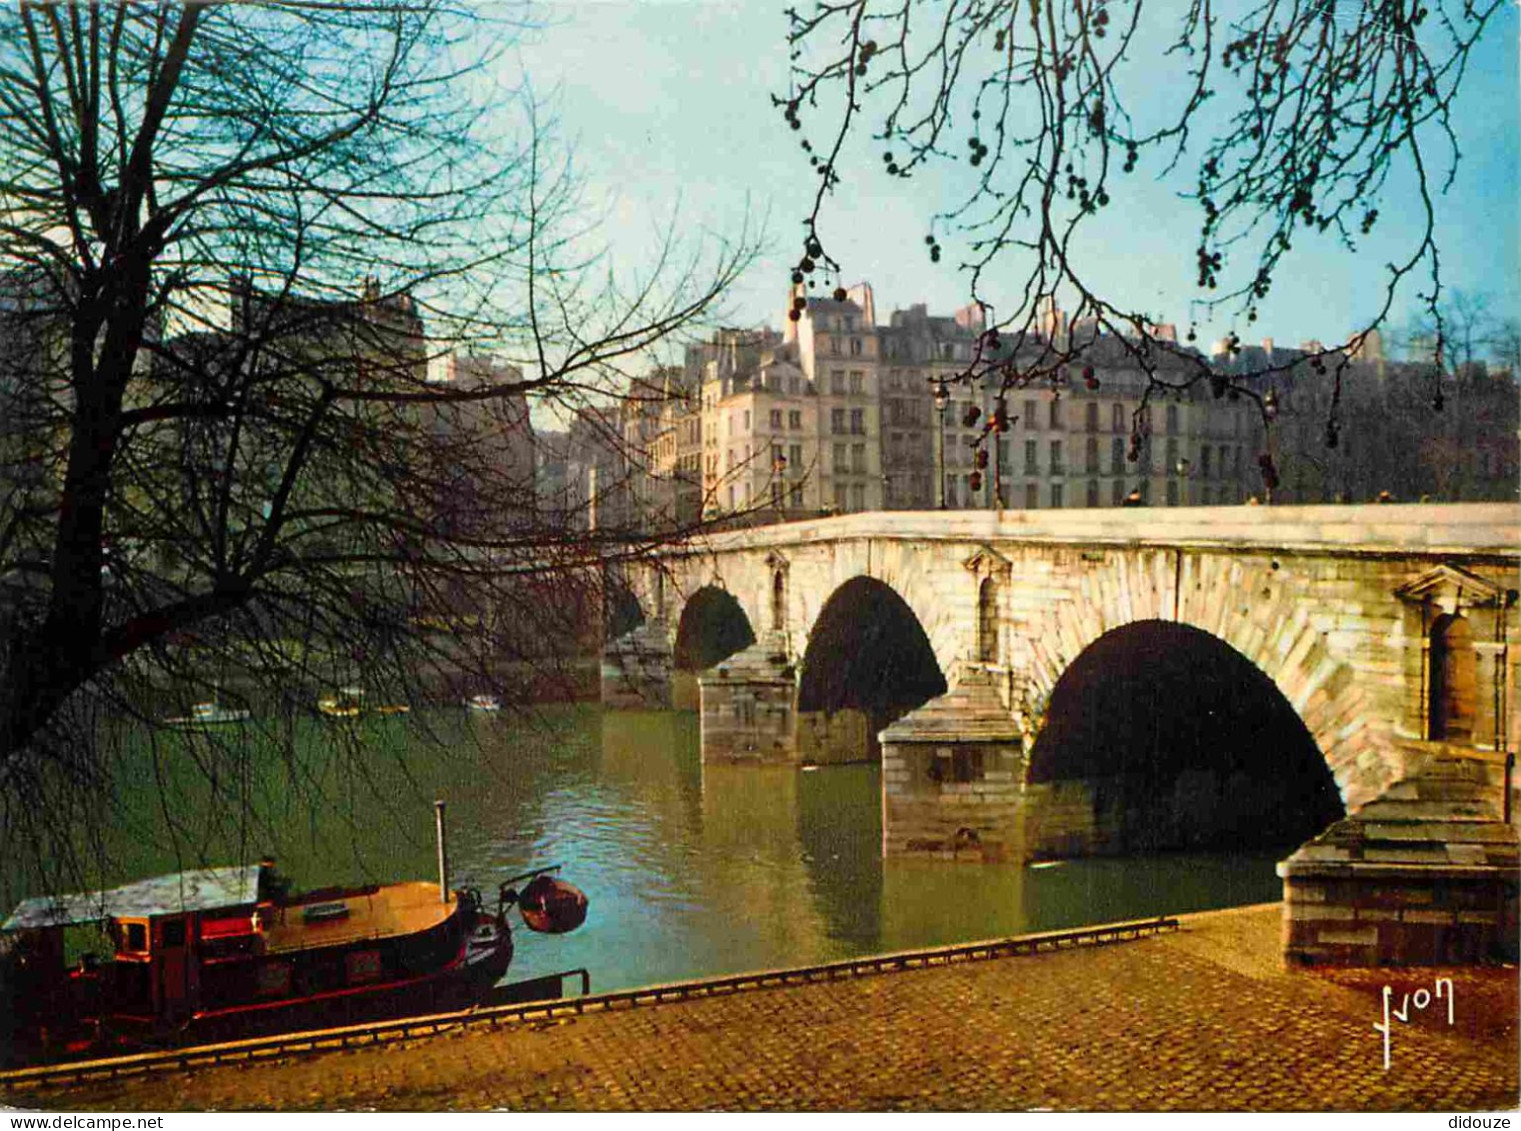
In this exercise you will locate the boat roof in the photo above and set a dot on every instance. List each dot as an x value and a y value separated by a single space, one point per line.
202 889
384 912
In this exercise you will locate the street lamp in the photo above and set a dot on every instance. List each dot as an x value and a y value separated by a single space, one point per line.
942 402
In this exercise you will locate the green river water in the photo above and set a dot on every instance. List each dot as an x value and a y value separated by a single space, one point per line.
690 870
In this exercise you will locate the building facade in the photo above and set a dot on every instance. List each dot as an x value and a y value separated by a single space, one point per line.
839 413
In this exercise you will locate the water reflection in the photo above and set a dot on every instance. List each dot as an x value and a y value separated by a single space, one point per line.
690 870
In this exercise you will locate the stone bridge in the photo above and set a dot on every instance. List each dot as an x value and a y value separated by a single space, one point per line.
1391 631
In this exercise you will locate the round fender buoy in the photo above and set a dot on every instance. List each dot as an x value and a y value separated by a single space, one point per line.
552 906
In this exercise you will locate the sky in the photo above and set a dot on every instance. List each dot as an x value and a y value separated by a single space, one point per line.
667 106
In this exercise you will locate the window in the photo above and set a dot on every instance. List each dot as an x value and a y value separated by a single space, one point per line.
776 418
173 933
1056 495
834 349
1056 458
778 458
1117 417
1172 420
857 381
797 495
1003 452
858 421
1092 454
1056 413
837 420
1031 420
840 463
1090 413
1031 501
795 458
731 496
858 458
858 496
795 419
841 502
1172 457
747 420
955 764
1204 454
837 381
1172 492
1032 464
1117 456
1093 493
1116 493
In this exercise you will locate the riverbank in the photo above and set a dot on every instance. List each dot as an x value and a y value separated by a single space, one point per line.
1206 1018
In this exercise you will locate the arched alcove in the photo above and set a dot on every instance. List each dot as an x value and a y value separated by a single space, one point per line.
987 621
1454 680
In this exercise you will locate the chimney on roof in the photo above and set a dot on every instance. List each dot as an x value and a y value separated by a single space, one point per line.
971 318
861 295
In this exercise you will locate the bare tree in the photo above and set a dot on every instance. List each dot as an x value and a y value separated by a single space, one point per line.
236 240
1284 118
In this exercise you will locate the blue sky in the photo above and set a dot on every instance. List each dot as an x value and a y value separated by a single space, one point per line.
667 105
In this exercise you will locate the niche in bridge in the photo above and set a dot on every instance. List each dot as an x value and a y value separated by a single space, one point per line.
868 663
713 627
1160 737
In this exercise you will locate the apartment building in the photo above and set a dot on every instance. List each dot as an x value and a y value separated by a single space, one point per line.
839 413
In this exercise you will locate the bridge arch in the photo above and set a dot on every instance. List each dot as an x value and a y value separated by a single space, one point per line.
712 627
868 661
1160 736
1251 604
622 611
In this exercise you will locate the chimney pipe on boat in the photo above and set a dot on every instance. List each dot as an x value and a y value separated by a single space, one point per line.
443 853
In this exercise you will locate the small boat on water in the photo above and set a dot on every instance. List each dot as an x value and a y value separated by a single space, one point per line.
349 703
487 704
218 953
209 714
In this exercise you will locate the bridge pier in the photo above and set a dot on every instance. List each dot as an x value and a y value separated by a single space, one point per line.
636 669
748 705
952 778
1424 875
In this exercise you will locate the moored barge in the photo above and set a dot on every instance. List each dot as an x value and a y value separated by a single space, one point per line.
217 953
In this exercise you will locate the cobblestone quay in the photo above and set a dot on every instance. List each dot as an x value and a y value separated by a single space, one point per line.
1206 1018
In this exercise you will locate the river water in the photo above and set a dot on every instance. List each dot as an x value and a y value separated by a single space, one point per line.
690 870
